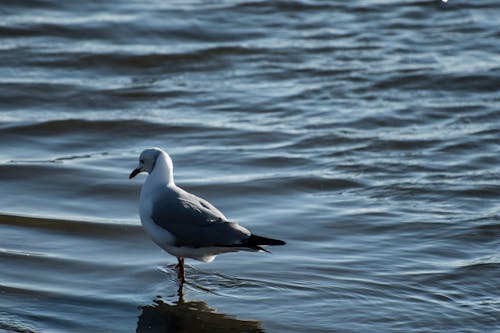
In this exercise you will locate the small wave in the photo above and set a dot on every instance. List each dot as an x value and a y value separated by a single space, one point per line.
448 82
282 6
121 128
105 61
278 185
70 226
278 161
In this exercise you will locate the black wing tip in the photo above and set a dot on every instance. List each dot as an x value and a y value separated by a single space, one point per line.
255 240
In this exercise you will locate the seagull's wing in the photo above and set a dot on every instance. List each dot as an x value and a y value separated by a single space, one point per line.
193 221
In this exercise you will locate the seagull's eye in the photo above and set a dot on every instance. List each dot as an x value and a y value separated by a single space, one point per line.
141 161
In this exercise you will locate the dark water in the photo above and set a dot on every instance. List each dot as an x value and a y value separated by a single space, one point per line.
364 133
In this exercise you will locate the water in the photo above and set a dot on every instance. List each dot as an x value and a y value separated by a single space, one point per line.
364 133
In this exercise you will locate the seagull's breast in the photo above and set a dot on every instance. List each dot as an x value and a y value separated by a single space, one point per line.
160 236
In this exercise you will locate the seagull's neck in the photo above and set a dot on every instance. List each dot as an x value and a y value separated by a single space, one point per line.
162 173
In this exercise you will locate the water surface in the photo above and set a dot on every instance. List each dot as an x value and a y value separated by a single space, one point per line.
364 133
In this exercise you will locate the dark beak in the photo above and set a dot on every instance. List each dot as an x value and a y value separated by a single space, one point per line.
134 173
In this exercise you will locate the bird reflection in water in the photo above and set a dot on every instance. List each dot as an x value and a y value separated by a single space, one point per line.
190 316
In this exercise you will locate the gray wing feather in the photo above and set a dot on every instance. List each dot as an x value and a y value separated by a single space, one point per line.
194 221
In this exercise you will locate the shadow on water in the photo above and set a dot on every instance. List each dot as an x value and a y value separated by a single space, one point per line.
190 316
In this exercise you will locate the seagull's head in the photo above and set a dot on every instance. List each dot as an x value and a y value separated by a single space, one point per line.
147 161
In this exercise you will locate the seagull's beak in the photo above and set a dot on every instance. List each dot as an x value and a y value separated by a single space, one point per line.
134 173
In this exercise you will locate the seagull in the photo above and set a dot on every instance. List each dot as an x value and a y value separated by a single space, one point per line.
182 224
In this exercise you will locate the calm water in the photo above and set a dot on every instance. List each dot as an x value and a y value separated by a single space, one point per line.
364 133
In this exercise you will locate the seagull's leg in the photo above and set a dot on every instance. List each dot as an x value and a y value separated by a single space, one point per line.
180 270
180 276
180 293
